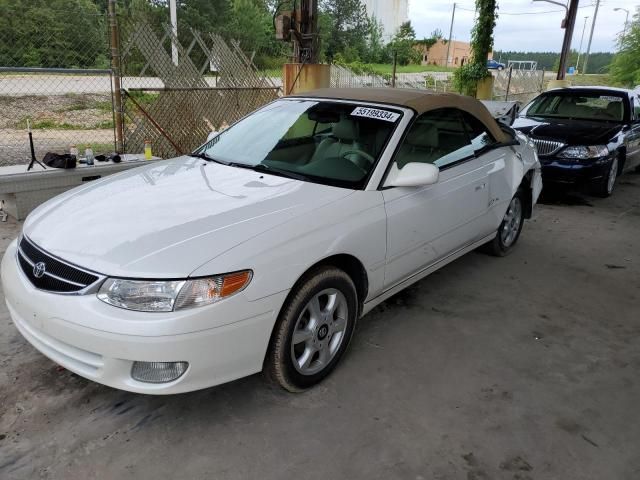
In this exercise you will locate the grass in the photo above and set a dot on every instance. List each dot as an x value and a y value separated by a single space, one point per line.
272 72
144 99
102 106
380 68
384 68
596 80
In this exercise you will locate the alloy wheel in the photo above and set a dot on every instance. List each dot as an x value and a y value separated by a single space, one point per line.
613 173
511 222
319 331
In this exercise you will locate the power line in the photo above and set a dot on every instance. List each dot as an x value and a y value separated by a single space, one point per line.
525 13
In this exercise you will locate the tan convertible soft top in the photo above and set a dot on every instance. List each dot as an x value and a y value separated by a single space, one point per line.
419 100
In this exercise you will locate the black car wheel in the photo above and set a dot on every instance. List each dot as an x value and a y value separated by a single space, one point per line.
605 186
510 228
313 330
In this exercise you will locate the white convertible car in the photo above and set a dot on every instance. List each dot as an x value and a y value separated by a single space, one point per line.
262 249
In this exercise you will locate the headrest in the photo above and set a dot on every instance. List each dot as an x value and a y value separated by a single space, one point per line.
615 109
423 136
345 130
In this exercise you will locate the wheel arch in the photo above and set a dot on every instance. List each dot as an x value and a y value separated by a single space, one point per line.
346 262
526 186
622 158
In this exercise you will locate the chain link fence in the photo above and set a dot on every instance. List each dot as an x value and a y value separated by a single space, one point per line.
179 90
343 77
175 91
57 81
518 85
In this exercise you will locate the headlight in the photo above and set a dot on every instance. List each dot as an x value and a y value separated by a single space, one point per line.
170 295
582 152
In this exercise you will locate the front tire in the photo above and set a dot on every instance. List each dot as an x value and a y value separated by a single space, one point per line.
510 228
313 330
604 187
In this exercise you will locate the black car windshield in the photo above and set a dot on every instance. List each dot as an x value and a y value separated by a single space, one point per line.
578 105
320 141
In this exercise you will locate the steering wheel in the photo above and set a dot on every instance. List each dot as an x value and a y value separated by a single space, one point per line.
365 155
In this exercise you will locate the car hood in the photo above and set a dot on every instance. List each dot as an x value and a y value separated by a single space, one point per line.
571 132
166 219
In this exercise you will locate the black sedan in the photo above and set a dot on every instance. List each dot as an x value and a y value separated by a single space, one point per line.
585 136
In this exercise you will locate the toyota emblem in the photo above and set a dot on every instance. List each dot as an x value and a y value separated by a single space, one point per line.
39 269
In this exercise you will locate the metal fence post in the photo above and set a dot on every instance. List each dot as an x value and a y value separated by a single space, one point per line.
506 94
115 67
542 82
395 65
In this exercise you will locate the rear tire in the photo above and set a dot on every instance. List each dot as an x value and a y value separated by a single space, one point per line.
313 330
510 228
604 187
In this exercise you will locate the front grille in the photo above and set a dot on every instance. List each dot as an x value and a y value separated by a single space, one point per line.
546 147
58 276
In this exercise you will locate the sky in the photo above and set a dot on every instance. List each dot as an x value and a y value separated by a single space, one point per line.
536 32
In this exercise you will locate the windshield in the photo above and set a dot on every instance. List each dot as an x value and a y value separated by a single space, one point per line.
320 141
578 105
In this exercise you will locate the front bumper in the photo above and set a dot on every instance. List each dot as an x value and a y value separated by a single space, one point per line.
221 342
578 173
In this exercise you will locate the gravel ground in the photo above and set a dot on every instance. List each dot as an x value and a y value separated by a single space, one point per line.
519 368
79 119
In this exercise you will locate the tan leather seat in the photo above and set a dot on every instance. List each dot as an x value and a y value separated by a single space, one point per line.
614 110
420 145
342 140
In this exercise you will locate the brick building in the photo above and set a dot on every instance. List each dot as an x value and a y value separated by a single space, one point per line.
459 53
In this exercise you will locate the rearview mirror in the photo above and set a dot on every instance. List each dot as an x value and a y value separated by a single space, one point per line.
416 174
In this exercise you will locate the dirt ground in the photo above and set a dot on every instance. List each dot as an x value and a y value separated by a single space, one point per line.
519 368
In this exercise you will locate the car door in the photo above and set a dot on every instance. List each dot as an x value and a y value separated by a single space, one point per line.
633 134
426 224
500 181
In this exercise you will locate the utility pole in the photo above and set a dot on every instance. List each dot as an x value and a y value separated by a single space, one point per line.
593 27
626 21
584 27
173 14
453 16
570 23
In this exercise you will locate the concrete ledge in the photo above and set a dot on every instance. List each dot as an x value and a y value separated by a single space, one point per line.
23 191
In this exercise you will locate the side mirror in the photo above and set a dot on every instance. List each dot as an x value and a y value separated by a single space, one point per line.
416 174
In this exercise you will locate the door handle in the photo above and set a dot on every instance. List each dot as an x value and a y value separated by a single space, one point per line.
480 187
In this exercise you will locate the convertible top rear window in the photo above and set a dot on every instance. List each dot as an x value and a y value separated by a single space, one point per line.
321 141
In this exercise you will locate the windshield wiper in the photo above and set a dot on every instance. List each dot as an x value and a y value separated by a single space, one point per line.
206 157
261 167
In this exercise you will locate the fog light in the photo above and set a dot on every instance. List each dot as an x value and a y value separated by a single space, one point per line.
158 372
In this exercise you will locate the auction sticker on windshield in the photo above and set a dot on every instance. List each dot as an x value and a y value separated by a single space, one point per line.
376 114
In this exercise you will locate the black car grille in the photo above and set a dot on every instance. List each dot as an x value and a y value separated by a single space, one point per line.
58 276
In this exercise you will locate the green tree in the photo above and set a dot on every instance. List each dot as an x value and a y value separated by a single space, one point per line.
344 29
40 33
375 51
625 68
432 39
402 45
466 78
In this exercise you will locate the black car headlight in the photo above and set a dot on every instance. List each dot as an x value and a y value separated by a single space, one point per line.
582 152
171 295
